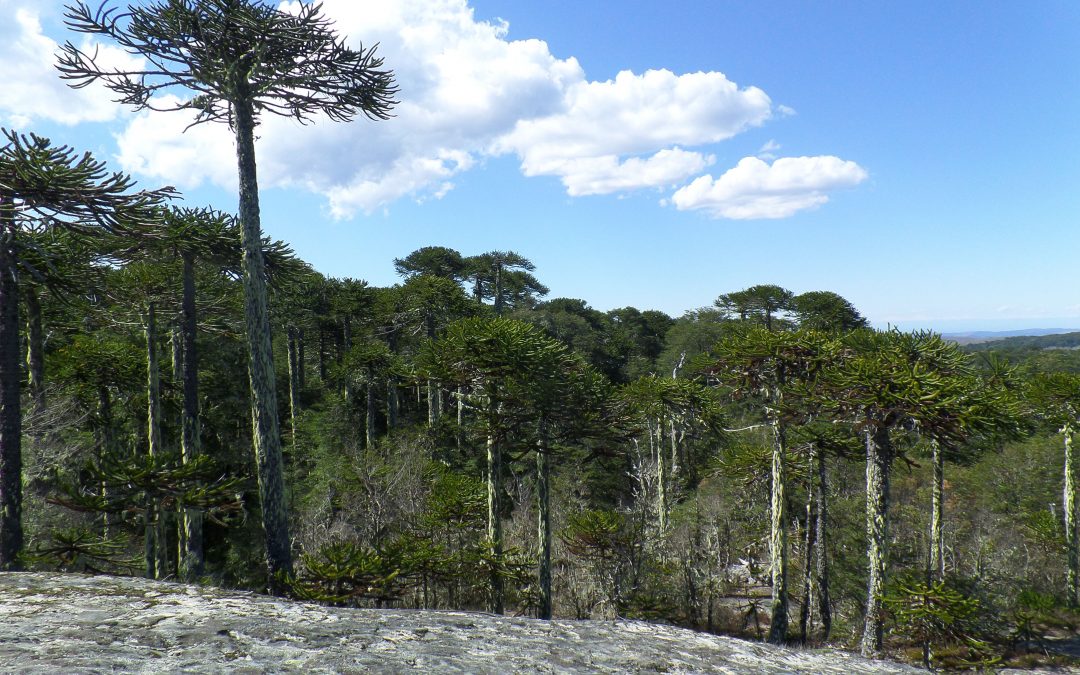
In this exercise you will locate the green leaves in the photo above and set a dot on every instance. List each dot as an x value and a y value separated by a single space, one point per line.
222 52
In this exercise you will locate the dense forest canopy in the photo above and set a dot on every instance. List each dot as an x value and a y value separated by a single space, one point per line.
768 466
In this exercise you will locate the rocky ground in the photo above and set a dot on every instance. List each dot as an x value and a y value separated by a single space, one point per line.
67 623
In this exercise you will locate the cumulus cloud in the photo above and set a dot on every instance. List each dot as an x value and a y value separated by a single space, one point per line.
32 86
754 189
467 93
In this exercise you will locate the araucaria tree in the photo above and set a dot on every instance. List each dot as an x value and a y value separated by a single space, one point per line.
892 381
42 185
233 60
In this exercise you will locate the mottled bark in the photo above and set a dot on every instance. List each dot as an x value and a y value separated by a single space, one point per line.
494 504
294 379
936 567
265 430
392 403
498 290
35 349
1071 536
156 562
543 499
11 531
879 455
778 545
821 551
809 542
656 443
369 417
193 560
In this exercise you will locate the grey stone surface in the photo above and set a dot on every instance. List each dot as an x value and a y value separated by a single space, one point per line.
63 623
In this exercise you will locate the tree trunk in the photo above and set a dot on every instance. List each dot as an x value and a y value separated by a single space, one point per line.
878 462
265 430
543 498
369 417
937 536
1071 538
494 525
392 403
294 380
810 541
661 476
498 291
192 562
11 532
154 532
821 554
778 548
35 349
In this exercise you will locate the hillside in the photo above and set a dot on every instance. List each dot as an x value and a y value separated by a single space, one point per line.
76 624
1024 342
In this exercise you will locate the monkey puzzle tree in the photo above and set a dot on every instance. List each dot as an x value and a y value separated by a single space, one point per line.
1056 397
515 373
236 59
503 276
42 184
761 365
760 303
884 382
826 311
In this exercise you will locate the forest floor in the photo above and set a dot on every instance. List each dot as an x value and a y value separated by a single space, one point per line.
77 624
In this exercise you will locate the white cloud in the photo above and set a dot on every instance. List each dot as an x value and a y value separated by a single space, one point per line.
768 151
467 92
754 189
32 86
607 174
635 114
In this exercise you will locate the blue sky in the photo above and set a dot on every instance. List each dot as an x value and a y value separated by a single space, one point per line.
919 158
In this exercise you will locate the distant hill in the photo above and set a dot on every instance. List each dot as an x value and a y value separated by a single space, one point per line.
1025 341
979 336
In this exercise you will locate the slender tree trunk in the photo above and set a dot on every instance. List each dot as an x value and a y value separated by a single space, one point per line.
498 291
369 417
494 525
937 508
11 531
193 561
878 462
392 403
322 355
821 551
661 477
810 541
1071 536
105 444
778 548
265 430
154 532
543 498
294 380
35 349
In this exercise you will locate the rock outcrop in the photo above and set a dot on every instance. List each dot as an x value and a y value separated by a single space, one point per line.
52 623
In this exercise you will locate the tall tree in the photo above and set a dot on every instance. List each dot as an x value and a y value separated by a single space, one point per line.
1056 397
761 303
762 365
503 276
888 381
435 261
826 311
41 183
236 59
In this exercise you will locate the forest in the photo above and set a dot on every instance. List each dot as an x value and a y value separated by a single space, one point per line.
186 399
